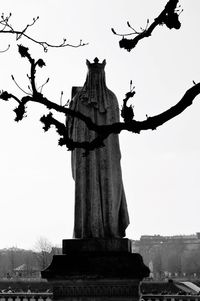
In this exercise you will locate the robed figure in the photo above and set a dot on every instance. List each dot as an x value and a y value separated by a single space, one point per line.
100 203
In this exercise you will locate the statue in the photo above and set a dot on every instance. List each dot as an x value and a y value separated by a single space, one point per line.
100 203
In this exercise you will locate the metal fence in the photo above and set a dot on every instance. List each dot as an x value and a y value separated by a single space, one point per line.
49 297
26 296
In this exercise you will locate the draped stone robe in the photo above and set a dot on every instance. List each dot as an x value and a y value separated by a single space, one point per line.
100 203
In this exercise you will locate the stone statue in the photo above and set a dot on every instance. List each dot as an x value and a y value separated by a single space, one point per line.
100 203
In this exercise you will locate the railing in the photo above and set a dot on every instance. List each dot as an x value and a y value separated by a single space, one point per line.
26 296
151 297
49 297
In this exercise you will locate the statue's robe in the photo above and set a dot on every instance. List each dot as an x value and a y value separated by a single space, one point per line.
100 203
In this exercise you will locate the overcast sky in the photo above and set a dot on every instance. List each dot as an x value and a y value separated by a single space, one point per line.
160 168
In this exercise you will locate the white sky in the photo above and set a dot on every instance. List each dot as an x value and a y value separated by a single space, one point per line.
160 168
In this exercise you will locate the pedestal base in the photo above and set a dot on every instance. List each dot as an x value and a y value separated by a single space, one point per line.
96 270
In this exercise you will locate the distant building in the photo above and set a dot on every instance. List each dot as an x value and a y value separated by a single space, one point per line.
170 256
192 241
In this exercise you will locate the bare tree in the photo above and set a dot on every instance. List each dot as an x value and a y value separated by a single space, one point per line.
43 253
12 259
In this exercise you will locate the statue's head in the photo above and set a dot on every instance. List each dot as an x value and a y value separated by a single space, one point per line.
95 90
96 66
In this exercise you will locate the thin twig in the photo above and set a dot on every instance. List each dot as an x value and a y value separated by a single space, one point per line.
42 86
19 86
1 51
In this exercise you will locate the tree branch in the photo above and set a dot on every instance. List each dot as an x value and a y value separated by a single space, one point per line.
169 17
61 129
8 29
102 131
134 126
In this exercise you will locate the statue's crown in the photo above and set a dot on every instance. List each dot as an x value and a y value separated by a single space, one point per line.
96 65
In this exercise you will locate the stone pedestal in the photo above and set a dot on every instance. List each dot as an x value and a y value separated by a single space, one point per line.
96 270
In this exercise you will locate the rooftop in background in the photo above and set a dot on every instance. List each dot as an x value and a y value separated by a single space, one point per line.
160 238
